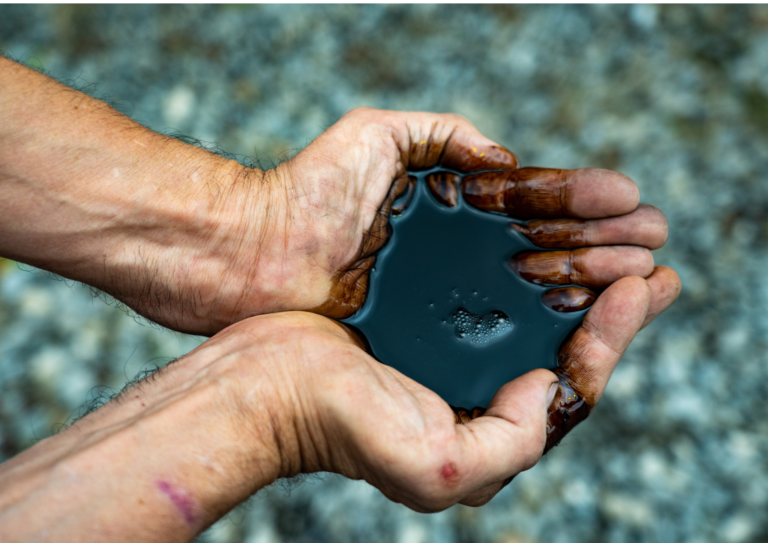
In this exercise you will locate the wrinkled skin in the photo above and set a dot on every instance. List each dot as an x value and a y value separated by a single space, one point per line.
305 235
197 243
351 174
277 395
573 209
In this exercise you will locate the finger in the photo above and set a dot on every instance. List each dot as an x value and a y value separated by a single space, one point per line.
665 288
463 416
403 198
506 440
444 186
588 358
350 289
483 495
595 267
538 193
646 226
452 142
568 299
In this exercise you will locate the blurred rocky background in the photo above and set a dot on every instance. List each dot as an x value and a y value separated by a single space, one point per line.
674 96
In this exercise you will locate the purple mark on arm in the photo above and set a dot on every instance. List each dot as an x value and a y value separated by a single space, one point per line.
181 499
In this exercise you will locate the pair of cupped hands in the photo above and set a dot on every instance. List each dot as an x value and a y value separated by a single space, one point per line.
295 246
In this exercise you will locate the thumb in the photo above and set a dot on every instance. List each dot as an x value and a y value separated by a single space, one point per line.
427 140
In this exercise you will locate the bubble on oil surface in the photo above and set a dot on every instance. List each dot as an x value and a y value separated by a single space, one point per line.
480 329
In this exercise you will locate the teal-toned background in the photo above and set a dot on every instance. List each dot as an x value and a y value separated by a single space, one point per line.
675 97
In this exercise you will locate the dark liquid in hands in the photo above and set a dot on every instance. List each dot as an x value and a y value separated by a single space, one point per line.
445 309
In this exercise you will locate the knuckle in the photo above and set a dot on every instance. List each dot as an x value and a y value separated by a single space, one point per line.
454 118
362 113
362 110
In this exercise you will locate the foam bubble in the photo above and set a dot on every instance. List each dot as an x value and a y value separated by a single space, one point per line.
480 329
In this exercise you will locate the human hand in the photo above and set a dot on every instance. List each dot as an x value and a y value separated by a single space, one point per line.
304 236
197 242
278 395
355 416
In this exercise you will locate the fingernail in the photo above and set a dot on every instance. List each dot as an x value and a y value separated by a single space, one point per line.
401 202
568 299
444 187
564 413
544 268
487 191
551 393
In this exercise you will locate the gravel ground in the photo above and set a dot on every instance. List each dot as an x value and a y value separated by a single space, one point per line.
675 97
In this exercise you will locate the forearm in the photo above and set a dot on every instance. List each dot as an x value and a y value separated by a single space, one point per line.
89 194
75 173
161 463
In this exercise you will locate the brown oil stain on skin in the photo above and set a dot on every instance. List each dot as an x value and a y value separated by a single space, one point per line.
463 416
527 193
350 287
181 499
551 267
555 233
444 186
568 299
472 159
400 207
568 408
530 194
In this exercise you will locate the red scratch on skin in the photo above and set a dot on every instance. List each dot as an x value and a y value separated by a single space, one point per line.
181 499
449 472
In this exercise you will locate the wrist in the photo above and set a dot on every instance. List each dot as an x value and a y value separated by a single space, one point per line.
296 357
256 248
166 258
176 451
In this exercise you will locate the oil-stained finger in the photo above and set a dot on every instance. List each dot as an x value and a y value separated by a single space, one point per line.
404 191
589 357
449 141
665 288
463 416
508 438
568 299
378 234
349 292
646 226
592 267
444 186
539 193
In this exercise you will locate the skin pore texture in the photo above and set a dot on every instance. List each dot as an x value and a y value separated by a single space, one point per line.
260 260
